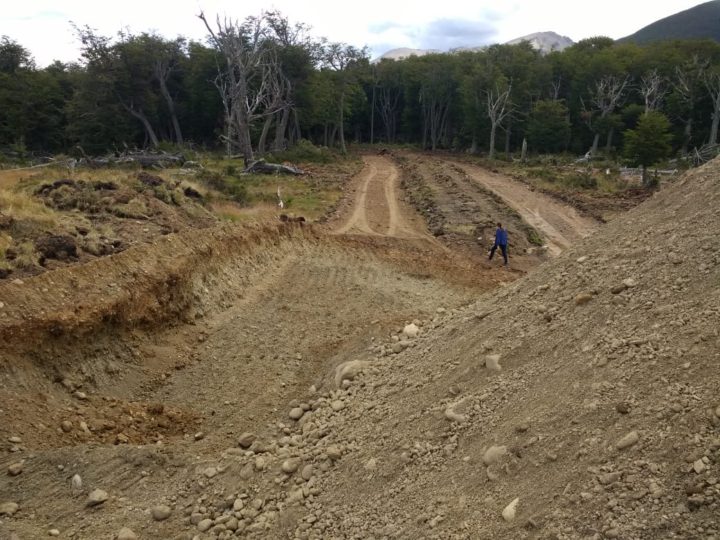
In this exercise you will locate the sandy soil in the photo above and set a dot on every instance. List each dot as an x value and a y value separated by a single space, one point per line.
143 372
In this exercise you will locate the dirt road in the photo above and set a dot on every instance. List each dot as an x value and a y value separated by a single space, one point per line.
375 208
560 224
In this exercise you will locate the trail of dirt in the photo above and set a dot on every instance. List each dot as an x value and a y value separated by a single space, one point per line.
376 209
560 224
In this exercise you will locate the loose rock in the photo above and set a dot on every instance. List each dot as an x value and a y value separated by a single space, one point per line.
492 362
15 469
8 508
161 512
493 454
96 497
628 440
510 510
246 439
296 413
126 534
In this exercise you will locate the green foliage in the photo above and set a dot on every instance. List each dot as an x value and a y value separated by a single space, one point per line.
649 142
305 151
234 189
549 126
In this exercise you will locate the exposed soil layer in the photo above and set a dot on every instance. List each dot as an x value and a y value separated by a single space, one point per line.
369 379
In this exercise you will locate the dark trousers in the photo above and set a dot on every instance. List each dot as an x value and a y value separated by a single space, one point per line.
503 248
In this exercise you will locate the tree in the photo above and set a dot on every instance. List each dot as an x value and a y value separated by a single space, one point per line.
606 95
249 82
498 108
549 126
343 61
649 142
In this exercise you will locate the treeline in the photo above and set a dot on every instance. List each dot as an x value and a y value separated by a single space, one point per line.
264 83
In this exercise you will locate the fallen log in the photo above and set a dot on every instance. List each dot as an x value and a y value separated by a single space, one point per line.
263 167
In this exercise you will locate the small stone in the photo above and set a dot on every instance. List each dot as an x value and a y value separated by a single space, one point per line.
411 331
246 439
199 436
53 532
15 440
510 510
699 466
76 482
66 426
612 533
629 283
337 405
210 472
628 440
238 505
493 454
126 534
82 396
296 413
161 512
609 478
307 472
617 289
96 497
582 259
492 362
205 525
583 298
121 438
8 508
289 466
15 469
623 407
333 452
717 411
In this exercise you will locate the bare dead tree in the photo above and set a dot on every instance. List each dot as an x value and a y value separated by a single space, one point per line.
498 109
556 86
249 80
653 90
389 103
342 58
163 69
711 80
686 86
606 96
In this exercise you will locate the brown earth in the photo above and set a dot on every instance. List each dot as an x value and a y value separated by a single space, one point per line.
257 381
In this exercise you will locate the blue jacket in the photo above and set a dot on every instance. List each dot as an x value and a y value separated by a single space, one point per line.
501 238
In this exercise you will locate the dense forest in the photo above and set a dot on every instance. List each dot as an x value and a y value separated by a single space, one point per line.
264 83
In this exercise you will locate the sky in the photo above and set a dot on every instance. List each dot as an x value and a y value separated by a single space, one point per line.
44 26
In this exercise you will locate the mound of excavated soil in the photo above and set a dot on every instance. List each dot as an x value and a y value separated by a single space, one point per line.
349 390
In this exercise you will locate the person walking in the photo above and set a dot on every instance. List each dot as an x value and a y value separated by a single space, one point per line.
501 241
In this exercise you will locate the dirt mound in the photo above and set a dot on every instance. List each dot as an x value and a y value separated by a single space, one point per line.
295 384
601 414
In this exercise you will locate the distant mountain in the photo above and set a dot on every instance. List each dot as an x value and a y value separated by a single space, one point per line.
545 42
404 52
701 21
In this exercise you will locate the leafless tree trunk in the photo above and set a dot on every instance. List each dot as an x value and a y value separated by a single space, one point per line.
283 117
250 78
652 88
162 74
435 114
263 135
605 97
140 115
712 84
556 86
684 87
498 108
389 99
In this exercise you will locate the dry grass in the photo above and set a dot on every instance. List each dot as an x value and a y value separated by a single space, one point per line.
23 206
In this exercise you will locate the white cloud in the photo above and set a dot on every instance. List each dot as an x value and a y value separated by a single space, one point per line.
43 26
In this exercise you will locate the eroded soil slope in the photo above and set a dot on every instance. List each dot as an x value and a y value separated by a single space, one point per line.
287 382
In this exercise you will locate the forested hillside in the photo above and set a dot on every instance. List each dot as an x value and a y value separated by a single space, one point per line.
265 83
699 22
